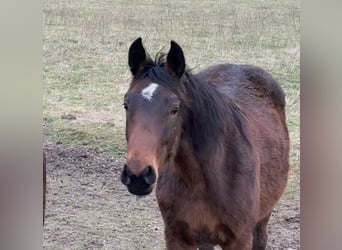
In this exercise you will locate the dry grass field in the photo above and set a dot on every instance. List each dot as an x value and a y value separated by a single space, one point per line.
86 74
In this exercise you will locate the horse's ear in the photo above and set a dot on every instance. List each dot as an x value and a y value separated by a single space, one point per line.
175 61
136 57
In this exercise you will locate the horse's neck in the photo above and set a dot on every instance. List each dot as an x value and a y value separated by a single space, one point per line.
187 165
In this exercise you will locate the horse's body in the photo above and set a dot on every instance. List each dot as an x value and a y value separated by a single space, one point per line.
221 163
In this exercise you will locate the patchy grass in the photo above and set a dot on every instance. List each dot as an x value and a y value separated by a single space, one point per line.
85 58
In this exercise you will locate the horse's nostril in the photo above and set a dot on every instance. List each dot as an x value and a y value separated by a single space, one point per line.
126 176
149 175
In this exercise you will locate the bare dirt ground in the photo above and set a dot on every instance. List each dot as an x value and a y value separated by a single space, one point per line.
89 208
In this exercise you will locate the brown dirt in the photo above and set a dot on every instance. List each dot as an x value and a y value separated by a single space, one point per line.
89 208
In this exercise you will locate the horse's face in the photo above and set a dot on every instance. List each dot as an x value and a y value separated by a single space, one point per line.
153 125
152 129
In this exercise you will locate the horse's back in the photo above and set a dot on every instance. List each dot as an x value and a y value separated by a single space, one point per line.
245 84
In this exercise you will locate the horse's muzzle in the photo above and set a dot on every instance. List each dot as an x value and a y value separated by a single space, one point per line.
141 184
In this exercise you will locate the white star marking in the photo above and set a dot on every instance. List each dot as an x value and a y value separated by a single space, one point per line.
148 92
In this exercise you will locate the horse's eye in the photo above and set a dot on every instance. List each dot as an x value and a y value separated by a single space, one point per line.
174 110
125 106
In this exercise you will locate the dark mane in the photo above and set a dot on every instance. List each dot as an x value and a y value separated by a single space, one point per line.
210 114
156 71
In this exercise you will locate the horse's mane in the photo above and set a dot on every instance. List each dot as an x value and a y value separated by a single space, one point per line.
156 71
209 116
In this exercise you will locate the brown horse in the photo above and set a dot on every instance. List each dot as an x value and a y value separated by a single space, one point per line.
215 145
